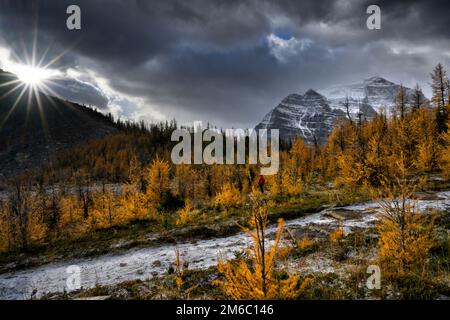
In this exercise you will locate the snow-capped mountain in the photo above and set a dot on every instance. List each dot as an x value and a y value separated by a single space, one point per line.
308 116
375 93
312 115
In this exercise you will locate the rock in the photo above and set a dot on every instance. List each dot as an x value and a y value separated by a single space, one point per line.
140 272
170 270
427 196
311 231
156 264
123 264
121 244
308 116
121 294
343 214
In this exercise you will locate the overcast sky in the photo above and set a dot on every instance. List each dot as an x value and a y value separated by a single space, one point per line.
226 62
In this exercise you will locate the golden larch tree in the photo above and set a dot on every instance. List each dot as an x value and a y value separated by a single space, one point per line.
257 278
158 181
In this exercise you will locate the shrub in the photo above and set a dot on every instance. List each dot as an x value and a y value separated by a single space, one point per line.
257 279
228 197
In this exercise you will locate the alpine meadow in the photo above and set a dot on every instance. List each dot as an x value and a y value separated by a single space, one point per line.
118 180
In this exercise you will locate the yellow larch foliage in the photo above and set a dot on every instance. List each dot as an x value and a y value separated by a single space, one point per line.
257 279
37 227
133 204
184 181
228 197
351 170
375 164
337 234
189 183
297 168
72 221
305 243
248 180
4 236
291 178
301 154
445 156
273 184
364 153
424 133
103 214
22 220
186 215
181 268
179 273
427 155
158 181
215 177
406 232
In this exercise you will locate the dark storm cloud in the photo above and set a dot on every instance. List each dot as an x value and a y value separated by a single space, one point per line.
80 92
230 61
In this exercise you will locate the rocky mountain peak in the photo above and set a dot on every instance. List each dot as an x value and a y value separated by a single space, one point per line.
313 114
312 94
292 97
377 81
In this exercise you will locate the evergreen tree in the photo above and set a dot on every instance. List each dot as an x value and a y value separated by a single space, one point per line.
401 101
440 87
417 98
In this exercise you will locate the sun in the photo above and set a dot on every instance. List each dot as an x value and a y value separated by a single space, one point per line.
31 75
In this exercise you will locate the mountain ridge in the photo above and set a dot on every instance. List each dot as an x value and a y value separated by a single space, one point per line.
33 128
312 115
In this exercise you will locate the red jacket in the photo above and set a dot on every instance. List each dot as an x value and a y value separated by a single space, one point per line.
261 181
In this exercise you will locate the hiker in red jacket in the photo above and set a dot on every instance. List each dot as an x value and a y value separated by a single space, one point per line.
261 182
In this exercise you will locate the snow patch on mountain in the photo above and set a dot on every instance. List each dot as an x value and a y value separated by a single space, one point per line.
312 116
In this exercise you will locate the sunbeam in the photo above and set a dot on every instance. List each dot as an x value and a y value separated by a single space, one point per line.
33 77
